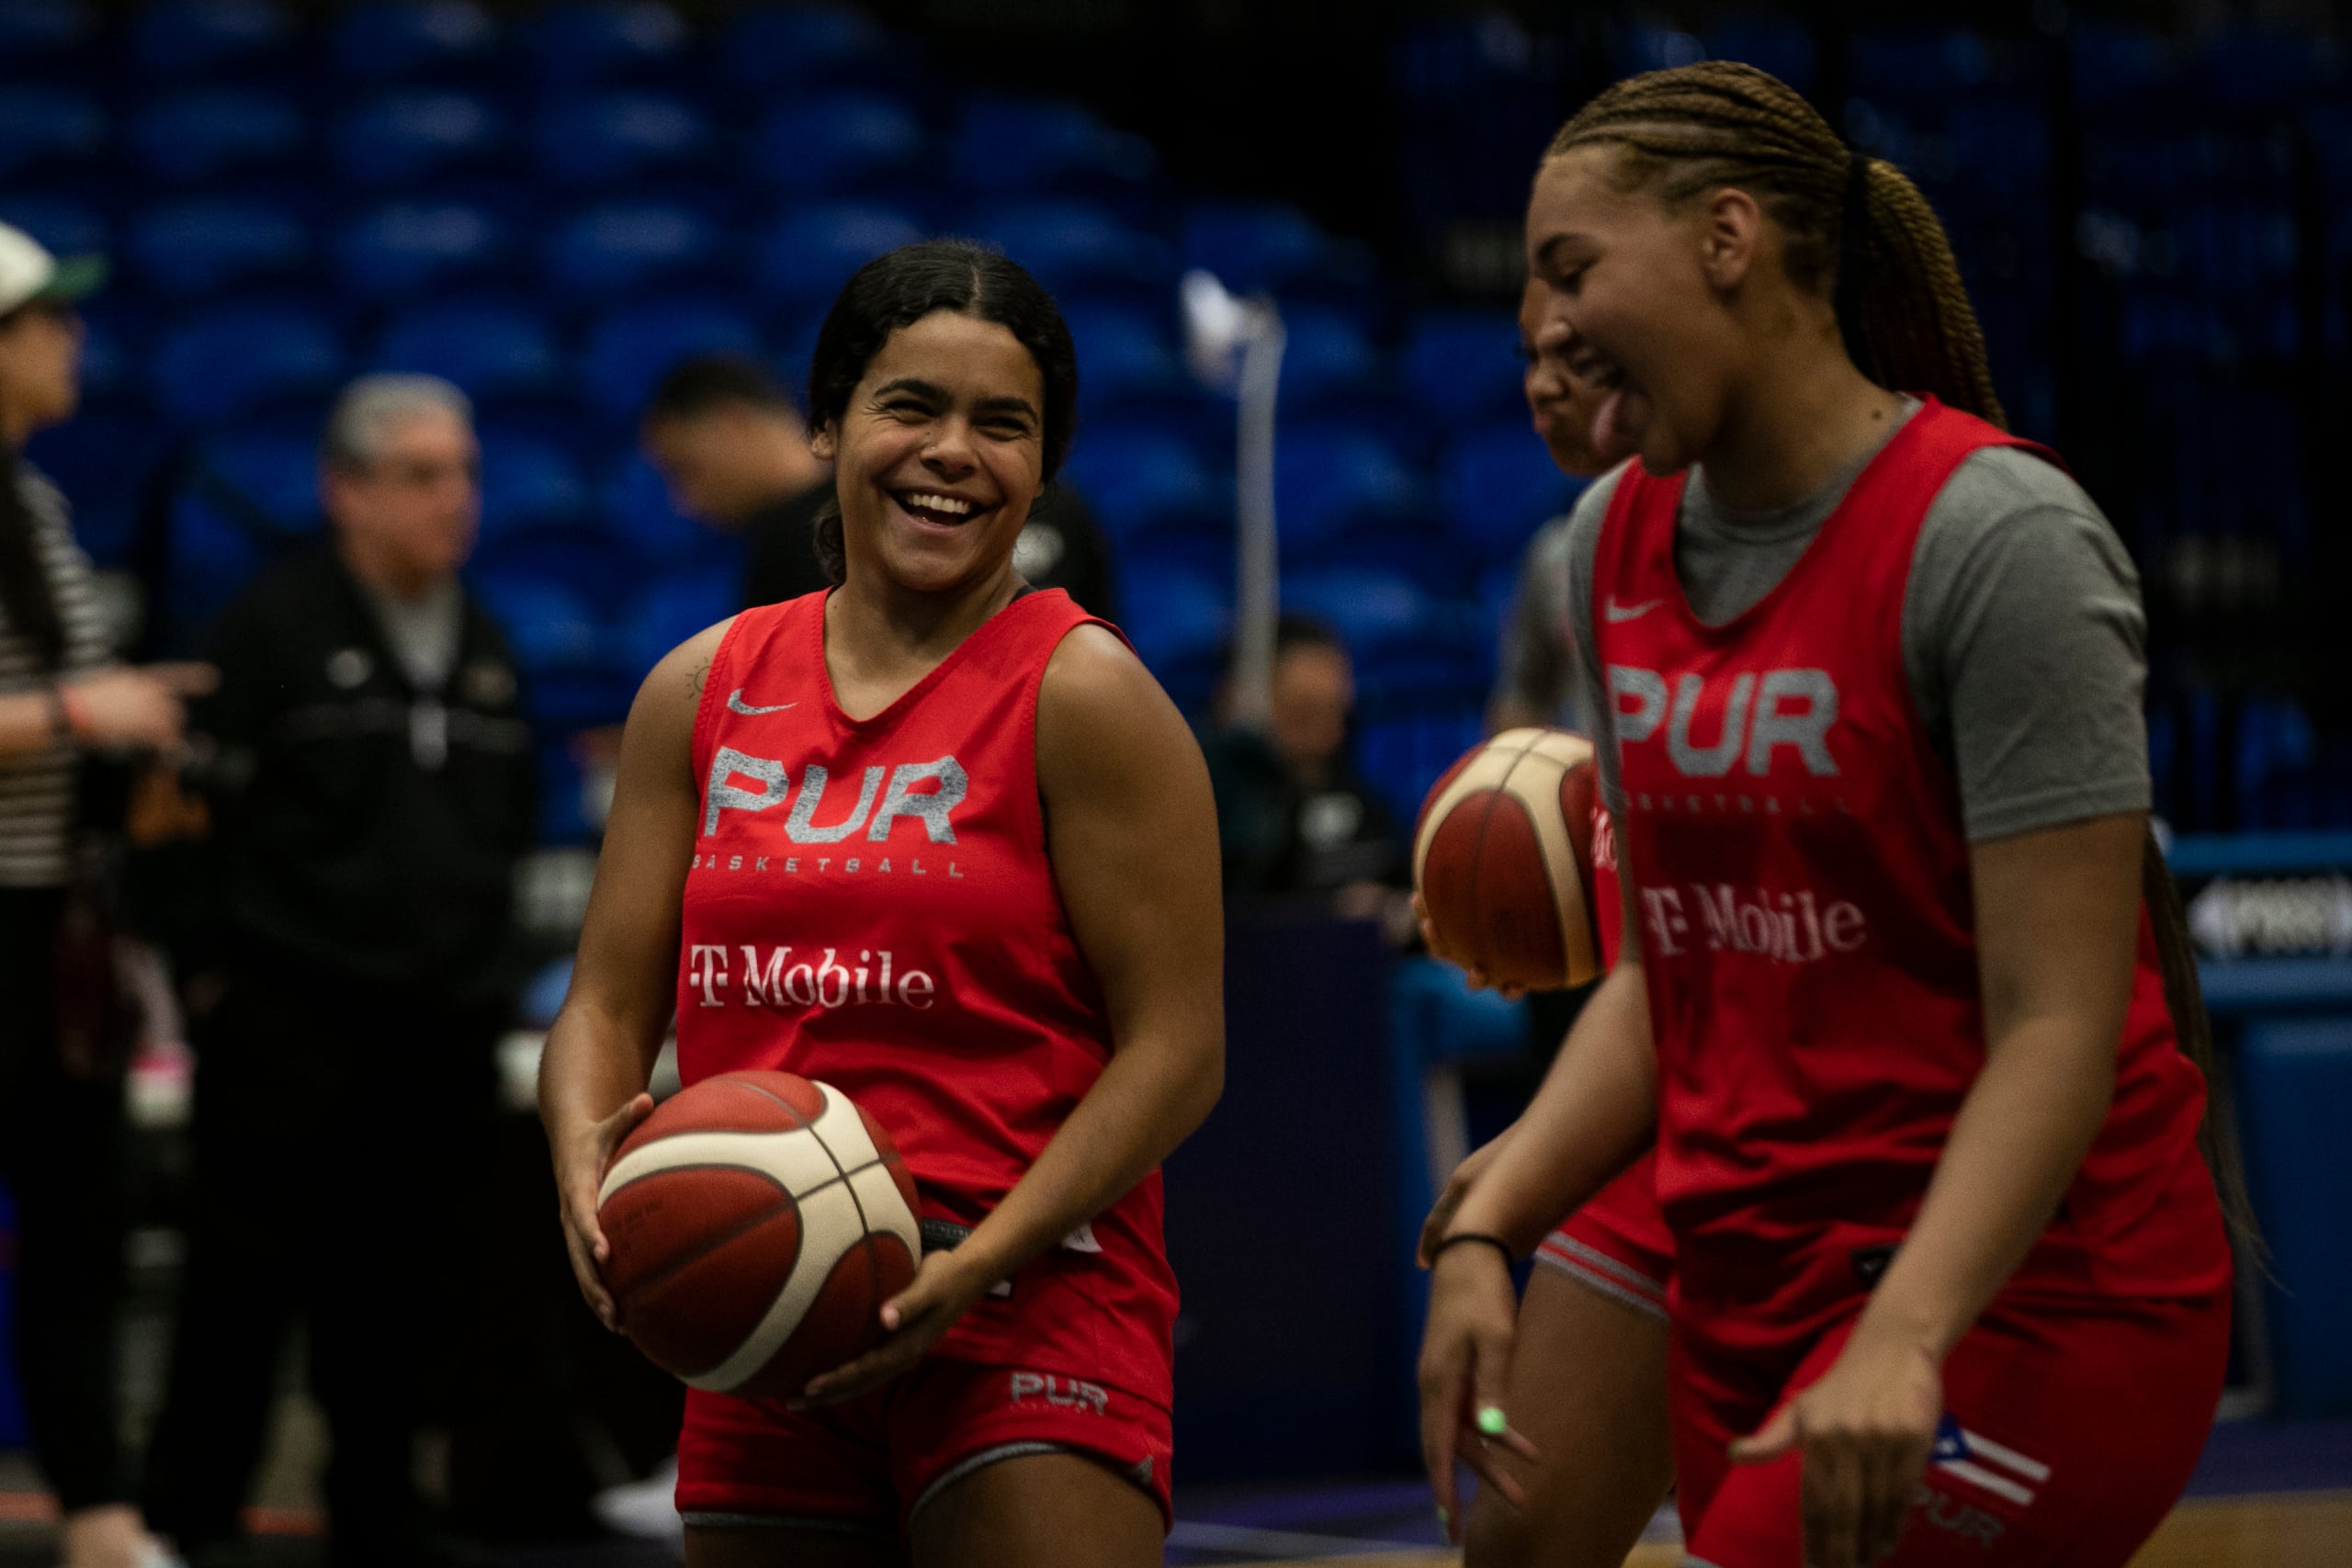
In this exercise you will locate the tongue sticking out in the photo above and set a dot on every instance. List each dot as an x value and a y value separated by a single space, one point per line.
1617 423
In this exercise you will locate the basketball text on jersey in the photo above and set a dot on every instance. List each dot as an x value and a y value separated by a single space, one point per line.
907 796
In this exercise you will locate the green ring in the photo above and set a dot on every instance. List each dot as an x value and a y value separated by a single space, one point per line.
1491 1421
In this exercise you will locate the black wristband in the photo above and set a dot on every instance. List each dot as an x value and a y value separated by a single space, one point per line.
1510 1254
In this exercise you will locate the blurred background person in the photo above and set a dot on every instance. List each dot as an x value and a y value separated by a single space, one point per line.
1293 815
62 1149
373 788
728 441
1535 677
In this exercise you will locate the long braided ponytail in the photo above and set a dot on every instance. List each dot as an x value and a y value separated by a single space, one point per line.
1856 229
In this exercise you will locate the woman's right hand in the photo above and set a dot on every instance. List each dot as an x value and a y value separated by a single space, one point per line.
1478 977
145 708
1464 1371
1457 1186
580 1157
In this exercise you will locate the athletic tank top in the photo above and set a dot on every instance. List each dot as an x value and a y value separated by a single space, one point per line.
871 905
1807 922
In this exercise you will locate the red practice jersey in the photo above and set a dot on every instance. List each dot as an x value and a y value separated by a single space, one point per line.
1806 924
871 905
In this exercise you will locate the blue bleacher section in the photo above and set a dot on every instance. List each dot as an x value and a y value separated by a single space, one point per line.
549 204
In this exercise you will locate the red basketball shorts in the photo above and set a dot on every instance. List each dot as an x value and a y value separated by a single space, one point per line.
1618 1243
870 1463
2069 1432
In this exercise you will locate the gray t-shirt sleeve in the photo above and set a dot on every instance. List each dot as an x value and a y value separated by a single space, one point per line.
1584 550
1533 667
2026 647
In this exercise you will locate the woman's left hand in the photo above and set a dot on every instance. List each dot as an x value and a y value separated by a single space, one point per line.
1866 1430
942 1291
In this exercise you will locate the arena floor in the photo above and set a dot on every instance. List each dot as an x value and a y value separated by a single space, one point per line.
2267 1496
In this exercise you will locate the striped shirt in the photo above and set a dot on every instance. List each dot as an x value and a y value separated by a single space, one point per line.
37 787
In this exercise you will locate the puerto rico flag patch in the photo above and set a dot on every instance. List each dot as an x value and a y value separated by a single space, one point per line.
1986 1465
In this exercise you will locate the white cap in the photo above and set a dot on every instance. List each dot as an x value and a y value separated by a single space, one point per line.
28 272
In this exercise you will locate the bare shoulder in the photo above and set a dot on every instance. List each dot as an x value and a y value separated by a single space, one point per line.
669 695
1100 711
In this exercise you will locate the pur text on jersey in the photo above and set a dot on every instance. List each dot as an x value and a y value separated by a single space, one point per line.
779 982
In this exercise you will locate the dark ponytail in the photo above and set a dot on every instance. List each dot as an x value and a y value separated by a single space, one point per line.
1856 229
899 289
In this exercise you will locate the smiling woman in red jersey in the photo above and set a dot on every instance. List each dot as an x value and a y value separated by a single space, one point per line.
1902 997
939 841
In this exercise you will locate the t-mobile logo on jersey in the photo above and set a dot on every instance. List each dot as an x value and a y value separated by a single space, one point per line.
929 792
779 982
1787 928
1784 707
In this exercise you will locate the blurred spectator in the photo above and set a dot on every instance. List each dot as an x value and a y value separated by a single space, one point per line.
1535 681
1292 814
373 787
62 1036
735 452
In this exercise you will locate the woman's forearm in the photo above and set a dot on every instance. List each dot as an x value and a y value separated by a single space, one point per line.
2020 1136
594 1062
1149 1099
1596 1111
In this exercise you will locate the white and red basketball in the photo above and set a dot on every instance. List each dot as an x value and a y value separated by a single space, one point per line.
1502 859
757 1222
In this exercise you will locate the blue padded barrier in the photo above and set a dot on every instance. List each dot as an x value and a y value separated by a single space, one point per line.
2294 1103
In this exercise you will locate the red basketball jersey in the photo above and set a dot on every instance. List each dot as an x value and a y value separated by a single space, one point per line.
871 905
1806 923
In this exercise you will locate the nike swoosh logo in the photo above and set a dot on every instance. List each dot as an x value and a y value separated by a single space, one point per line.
735 704
1612 612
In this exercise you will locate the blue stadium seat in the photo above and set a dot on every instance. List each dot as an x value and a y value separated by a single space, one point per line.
631 348
622 247
551 628
802 46
1783 48
275 471
837 144
593 42
528 483
637 507
677 606
102 458
49 130
106 352
1024 146
1138 478
1124 358
205 245
223 364
1327 362
246 500
591 563
42 32
1079 249
405 248
1402 639
1179 624
415 135
68 225
1643 46
1500 486
205 135
395 40
1461 367
805 258
491 349
616 138
1329 479
207 38
1254 246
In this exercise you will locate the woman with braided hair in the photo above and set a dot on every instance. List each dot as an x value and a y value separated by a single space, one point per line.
1902 999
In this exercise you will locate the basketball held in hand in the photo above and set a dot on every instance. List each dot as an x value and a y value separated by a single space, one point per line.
1502 859
757 1222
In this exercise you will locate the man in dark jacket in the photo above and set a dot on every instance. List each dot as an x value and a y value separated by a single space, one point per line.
372 793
